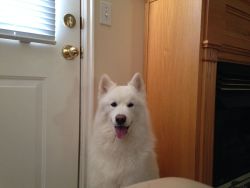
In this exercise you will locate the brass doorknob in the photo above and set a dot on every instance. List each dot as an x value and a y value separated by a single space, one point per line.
70 52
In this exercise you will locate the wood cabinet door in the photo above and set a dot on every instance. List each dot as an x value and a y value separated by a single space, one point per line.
171 74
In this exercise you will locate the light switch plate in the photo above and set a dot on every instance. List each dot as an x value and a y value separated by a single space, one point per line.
105 12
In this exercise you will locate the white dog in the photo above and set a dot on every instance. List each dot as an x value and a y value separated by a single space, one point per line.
122 144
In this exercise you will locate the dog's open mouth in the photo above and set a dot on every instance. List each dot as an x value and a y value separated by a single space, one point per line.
121 131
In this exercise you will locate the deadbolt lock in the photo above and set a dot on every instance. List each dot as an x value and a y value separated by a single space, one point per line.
69 20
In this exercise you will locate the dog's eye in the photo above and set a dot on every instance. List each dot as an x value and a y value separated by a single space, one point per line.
130 104
113 104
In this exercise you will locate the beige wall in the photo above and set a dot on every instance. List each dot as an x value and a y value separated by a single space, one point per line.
119 48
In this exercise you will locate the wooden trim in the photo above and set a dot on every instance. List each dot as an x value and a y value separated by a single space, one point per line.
206 44
205 122
146 30
210 55
232 54
234 50
214 24
237 12
226 53
230 57
239 8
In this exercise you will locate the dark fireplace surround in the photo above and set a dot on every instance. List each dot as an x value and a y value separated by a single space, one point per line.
232 123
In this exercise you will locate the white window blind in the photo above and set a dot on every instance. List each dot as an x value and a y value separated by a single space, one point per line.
28 20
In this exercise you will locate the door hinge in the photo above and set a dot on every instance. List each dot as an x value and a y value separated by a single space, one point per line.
81 22
81 53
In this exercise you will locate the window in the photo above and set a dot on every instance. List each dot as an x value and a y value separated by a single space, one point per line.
28 20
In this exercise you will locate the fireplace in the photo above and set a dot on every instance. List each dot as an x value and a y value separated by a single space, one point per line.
232 125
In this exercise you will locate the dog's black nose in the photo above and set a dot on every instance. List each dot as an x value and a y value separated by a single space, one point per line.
120 119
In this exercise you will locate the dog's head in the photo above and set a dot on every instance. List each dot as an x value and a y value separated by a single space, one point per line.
121 106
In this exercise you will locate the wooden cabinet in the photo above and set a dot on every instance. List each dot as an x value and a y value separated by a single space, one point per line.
184 40
237 21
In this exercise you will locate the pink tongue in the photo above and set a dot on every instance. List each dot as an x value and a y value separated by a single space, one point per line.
121 132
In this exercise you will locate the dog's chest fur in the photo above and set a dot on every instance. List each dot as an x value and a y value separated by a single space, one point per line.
120 162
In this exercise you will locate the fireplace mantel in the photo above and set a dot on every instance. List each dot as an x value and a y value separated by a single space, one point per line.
226 28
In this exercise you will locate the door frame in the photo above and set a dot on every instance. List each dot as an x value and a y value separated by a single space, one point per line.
87 86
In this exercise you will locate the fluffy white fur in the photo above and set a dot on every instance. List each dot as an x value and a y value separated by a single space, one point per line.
114 162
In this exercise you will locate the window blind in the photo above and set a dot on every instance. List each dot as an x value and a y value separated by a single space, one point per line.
28 20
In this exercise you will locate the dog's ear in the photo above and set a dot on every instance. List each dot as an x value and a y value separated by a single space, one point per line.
105 84
137 82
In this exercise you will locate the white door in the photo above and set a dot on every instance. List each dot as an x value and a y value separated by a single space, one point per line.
39 109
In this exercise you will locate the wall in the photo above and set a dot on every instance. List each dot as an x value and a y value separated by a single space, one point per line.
119 48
